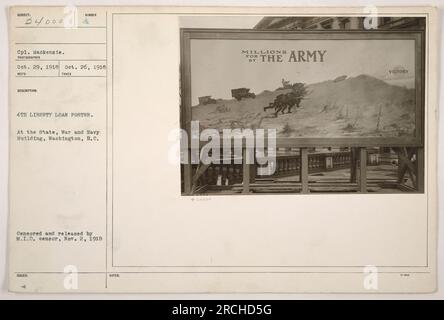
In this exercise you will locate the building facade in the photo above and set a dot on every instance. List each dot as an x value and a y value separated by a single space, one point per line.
338 23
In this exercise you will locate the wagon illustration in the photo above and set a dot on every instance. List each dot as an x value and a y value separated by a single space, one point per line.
206 100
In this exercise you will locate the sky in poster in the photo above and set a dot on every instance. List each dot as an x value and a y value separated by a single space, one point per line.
217 66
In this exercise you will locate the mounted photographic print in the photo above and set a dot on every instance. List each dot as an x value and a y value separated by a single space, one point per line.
335 96
227 150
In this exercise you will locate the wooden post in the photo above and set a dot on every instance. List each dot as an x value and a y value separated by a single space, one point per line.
420 169
402 168
304 170
246 171
253 172
363 169
187 174
353 164
405 165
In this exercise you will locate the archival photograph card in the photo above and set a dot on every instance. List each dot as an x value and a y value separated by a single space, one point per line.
222 150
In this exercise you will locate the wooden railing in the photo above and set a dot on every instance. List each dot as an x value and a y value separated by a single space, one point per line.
288 165
222 174
248 178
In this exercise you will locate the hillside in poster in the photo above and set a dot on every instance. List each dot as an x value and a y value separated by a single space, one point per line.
360 106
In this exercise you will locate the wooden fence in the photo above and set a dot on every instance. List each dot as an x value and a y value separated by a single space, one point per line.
227 175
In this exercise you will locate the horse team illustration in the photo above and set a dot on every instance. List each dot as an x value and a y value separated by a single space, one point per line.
287 101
